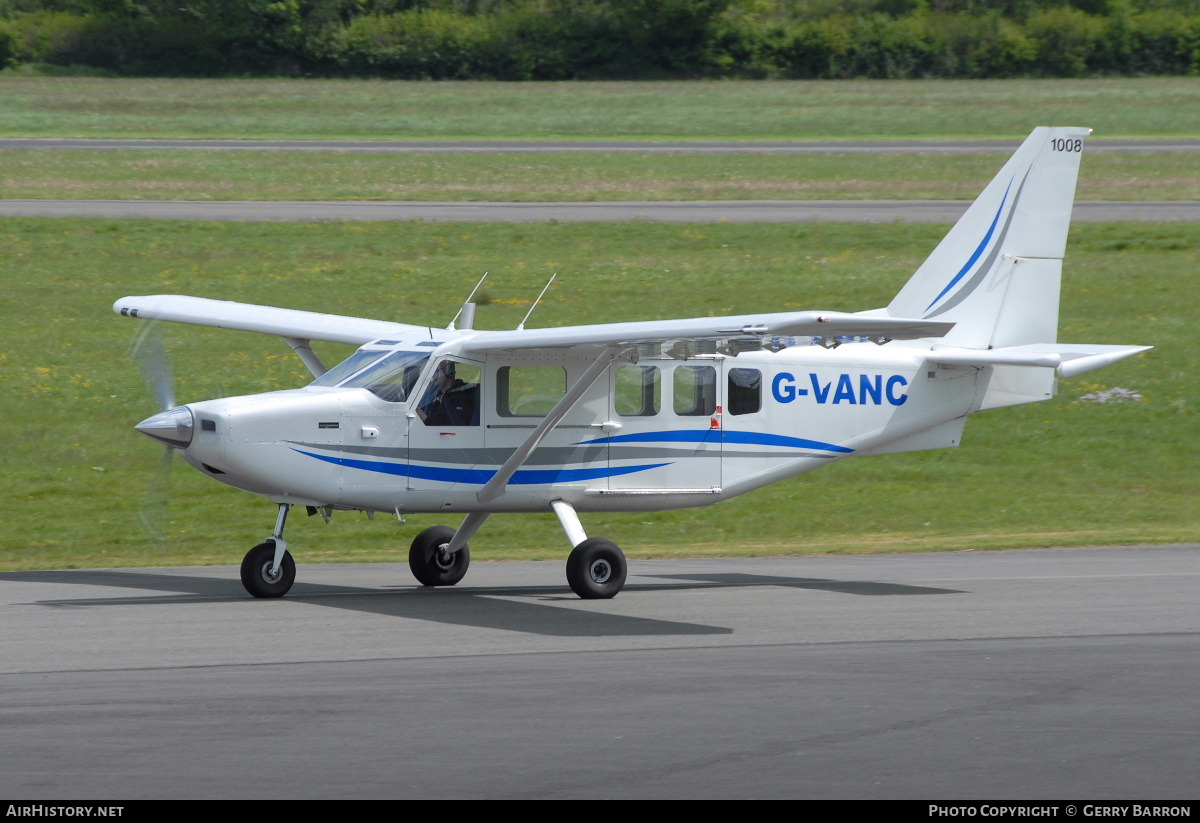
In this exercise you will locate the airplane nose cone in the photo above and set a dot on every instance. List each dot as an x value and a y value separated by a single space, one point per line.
173 427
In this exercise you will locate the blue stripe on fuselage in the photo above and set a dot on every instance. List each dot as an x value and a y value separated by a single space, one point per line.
523 477
718 436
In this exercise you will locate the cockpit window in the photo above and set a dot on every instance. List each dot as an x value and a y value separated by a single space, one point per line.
389 375
391 378
359 360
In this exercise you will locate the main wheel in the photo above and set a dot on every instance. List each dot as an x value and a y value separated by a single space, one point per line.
433 567
256 571
596 569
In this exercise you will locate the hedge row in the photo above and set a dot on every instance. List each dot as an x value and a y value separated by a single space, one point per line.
597 39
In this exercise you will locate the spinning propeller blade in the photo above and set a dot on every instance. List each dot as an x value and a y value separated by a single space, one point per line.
150 352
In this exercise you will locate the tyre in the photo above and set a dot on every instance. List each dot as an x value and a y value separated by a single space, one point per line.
427 563
596 569
256 571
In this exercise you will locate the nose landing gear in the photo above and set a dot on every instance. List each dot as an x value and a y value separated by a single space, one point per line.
268 570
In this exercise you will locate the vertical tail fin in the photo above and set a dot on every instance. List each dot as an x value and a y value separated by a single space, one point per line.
996 274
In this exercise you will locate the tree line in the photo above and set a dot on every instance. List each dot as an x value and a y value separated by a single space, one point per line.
605 39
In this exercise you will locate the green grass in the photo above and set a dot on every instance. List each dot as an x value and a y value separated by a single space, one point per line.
1065 472
733 110
573 176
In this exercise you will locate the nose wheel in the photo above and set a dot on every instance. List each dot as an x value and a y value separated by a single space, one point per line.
259 576
268 570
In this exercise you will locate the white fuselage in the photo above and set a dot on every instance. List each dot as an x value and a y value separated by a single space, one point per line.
658 433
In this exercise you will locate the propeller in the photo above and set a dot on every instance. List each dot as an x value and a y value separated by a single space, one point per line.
151 354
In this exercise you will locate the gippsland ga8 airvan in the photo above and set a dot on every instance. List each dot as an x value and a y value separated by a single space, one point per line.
639 416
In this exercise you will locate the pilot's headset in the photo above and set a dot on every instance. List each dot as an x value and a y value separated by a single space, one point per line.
446 369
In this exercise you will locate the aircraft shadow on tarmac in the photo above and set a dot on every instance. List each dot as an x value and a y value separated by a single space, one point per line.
476 607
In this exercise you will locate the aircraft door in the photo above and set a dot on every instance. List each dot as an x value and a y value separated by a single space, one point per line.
445 438
670 417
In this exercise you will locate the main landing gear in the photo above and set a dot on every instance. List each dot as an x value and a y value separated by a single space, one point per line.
431 562
440 556
596 568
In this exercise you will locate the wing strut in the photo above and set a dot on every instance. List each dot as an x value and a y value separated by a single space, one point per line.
303 350
495 487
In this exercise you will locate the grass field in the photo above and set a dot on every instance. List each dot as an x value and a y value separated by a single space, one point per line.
274 175
680 110
1066 472
362 109
1071 471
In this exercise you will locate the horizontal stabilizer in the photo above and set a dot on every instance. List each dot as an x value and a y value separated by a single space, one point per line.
1083 358
784 324
225 314
1068 359
993 357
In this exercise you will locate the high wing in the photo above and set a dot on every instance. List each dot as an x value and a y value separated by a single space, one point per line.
783 324
226 314
333 328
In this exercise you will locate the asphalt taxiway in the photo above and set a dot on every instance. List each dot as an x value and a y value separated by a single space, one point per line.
1040 674
585 146
653 211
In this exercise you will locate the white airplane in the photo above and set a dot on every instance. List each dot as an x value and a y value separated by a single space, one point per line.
642 416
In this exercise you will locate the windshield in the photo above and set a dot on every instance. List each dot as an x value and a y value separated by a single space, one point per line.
347 367
392 377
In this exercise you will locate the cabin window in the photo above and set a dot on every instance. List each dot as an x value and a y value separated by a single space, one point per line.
745 391
529 391
638 391
695 390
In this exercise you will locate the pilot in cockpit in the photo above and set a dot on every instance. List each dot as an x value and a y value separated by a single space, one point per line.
449 401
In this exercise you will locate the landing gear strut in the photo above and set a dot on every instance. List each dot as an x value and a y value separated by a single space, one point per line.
596 568
267 569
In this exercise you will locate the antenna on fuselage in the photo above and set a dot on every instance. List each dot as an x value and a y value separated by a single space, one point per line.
521 325
467 312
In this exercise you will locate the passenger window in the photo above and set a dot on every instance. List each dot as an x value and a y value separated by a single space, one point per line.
638 391
695 390
529 391
745 391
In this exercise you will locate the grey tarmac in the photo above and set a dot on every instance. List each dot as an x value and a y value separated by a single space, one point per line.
592 146
694 211
1036 674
